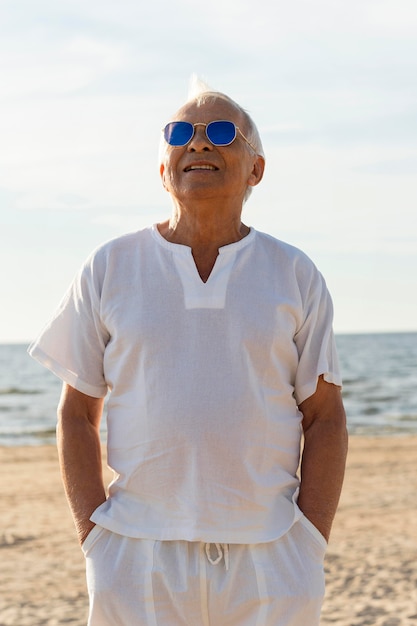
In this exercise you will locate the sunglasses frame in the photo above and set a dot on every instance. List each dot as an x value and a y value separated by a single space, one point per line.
218 145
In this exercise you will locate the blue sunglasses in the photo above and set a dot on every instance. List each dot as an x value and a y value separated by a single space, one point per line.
219 133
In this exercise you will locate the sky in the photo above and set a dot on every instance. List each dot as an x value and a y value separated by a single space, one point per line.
85 88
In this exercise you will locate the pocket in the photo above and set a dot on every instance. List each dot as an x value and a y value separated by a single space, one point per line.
91 539
314 531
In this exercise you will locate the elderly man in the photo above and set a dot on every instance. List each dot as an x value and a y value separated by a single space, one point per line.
215 342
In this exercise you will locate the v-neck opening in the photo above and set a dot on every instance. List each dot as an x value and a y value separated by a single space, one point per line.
198 275
212 292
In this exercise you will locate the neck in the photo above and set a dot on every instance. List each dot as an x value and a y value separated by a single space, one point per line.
203 227
204 232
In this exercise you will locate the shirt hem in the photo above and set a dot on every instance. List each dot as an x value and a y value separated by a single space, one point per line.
264 534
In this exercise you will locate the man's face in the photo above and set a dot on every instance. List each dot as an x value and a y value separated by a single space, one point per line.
201 170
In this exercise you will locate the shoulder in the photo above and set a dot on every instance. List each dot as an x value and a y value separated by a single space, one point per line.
114 258
123 243
119 249
284 253
291 267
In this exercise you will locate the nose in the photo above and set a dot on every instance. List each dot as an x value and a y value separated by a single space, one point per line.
199 141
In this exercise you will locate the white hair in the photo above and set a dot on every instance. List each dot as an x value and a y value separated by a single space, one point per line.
197 86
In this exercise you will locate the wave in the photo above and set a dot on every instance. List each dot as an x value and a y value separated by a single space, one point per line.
28 437
17 391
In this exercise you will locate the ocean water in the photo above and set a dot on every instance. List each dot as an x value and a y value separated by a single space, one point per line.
379 373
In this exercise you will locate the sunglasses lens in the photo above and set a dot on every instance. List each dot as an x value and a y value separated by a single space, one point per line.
221 132
178 133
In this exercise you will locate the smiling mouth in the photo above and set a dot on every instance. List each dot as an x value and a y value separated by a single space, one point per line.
192 168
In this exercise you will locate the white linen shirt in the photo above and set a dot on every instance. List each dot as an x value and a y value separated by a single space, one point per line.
204 378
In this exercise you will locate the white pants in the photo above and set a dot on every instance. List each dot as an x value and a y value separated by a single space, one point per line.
142 582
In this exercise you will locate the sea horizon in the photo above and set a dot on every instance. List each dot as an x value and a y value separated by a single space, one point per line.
20 342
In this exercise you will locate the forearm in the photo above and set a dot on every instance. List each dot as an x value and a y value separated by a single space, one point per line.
322 472
79 452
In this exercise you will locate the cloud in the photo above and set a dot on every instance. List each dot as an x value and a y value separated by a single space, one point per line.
75 63
7 199
393 167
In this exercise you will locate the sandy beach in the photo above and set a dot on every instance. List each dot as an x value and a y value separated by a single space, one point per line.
371 564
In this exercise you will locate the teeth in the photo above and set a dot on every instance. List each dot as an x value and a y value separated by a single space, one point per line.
201 167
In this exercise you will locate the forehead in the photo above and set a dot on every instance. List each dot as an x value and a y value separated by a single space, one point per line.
213 109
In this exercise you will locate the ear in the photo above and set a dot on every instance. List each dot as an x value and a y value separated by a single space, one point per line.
162 175
257 171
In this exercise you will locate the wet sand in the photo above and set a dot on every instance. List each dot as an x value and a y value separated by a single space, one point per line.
371 563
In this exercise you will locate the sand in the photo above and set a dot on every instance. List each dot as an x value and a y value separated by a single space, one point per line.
371 564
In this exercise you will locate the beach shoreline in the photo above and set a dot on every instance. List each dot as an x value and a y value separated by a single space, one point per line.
371 563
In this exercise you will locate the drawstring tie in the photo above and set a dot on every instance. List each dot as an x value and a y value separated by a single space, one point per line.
222 552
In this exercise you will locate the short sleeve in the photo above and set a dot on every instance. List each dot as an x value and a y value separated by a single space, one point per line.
315 339
72 344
